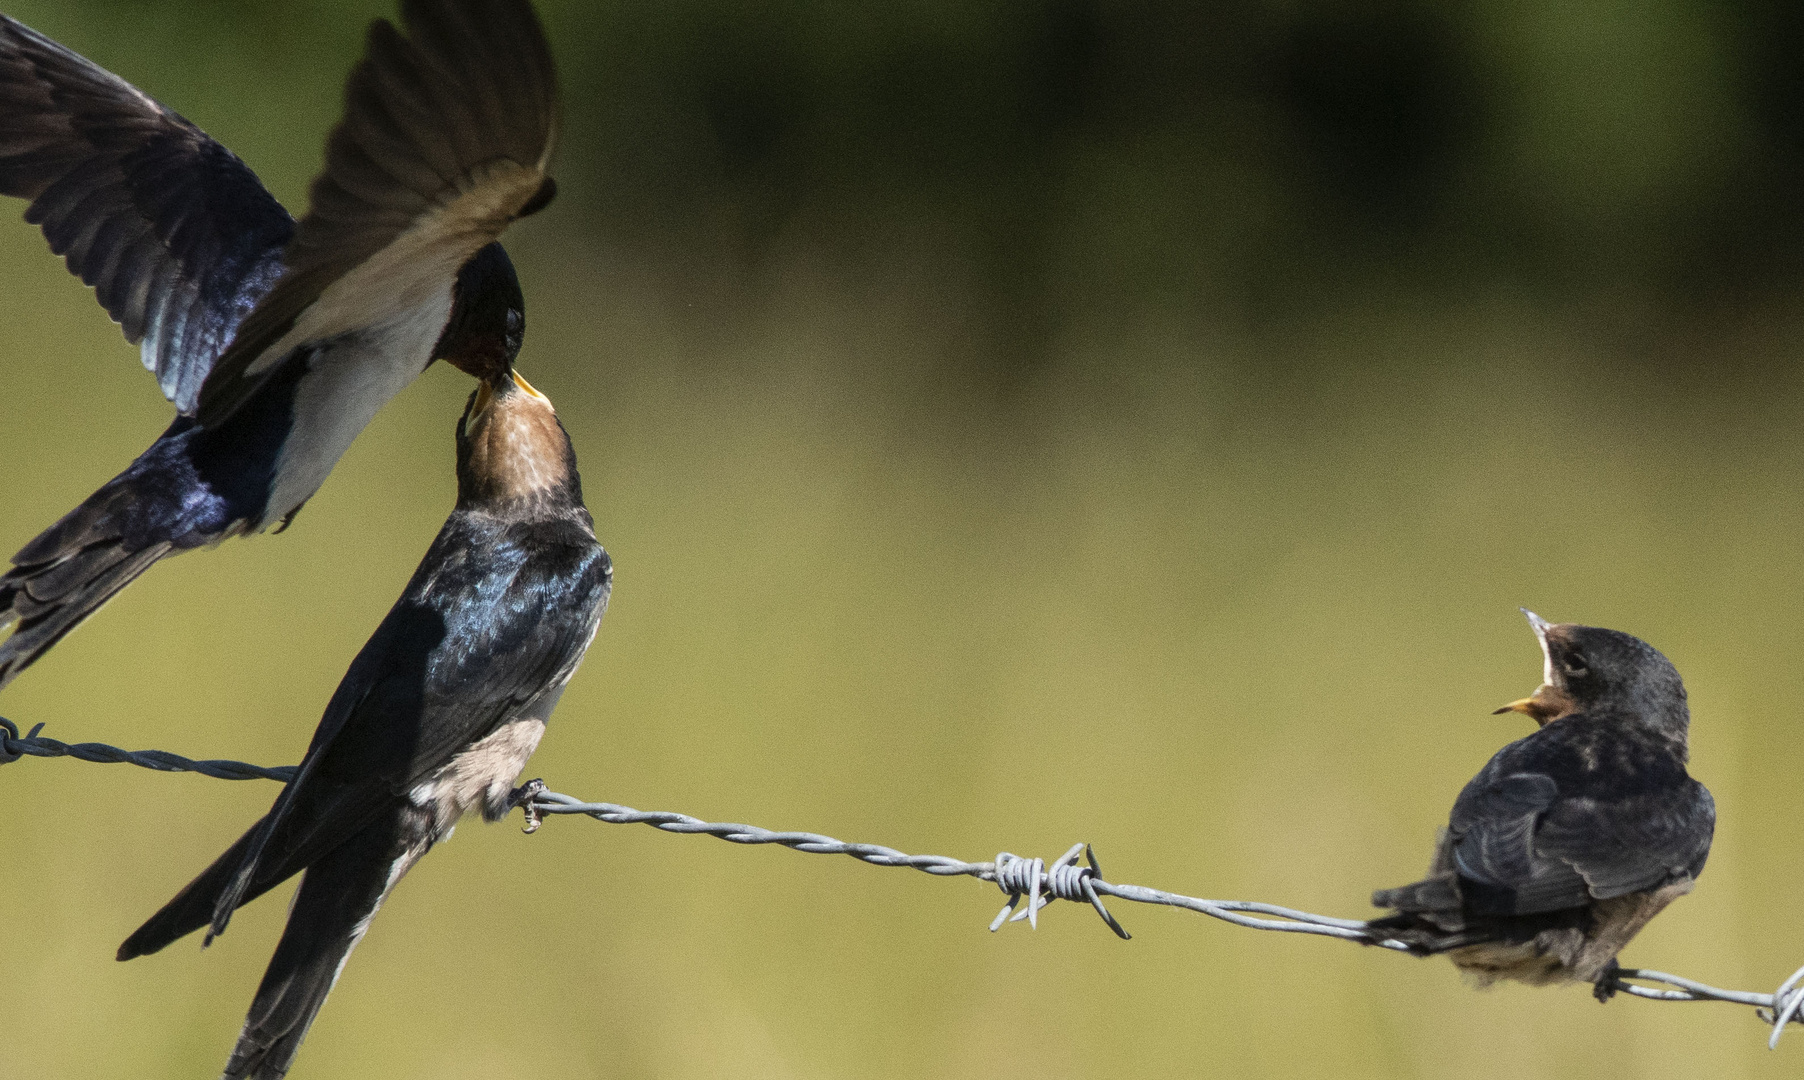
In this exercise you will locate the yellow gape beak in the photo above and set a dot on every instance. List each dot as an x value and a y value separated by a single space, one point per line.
520 381
1548 702
1545 704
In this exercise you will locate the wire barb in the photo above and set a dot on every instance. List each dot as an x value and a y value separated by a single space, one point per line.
1065 880
1786 1001
1016 876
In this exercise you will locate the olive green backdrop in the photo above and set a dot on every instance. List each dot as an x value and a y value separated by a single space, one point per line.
1014 422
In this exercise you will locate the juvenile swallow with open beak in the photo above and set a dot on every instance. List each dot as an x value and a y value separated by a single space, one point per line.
436 716
276 341
1568 841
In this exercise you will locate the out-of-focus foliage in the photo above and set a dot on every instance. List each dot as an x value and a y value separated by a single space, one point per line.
1013 423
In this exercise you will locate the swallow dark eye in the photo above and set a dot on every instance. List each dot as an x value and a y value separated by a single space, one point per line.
1575 666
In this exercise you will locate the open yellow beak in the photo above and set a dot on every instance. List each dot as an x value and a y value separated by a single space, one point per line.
485 395
1546 703
520 381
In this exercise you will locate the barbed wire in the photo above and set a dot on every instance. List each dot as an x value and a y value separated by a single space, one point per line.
14 746
1019 878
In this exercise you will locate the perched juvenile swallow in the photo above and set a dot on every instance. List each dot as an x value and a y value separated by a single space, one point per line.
276 341
1568 841
436 716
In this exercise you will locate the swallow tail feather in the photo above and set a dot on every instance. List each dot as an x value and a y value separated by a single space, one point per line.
1430 916
192 908
338 896
65 575
1438 895
155 508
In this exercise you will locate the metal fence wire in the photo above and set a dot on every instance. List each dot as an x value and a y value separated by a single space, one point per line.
1029 880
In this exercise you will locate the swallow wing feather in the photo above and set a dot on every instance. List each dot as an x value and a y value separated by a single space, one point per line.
500 665
175 234
460 654
1540 829
1493 828
446 138
1634 844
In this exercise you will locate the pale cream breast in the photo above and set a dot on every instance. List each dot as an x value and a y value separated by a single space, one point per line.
481 776
345 384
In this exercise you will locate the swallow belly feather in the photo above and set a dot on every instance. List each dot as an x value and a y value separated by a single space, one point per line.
481 776
348 380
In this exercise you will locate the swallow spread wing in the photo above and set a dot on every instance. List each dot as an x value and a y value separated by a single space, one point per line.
277 341
436 716
175 234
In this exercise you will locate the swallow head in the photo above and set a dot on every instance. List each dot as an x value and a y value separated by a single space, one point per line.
1592 670
511 448
487 324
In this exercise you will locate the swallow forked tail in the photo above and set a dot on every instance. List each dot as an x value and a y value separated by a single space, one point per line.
1429 917
164 503
67 574
192 908
338 896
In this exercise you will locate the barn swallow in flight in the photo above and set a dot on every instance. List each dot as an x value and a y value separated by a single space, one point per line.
1568 841
436 716
276 341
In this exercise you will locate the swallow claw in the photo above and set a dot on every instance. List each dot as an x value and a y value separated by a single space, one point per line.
1609 981
522 797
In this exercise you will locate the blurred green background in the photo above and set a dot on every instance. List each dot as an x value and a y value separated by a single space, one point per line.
1014 422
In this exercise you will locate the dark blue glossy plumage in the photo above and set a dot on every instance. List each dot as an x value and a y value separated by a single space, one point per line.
197 485
191 487
435 716
276 340
1589 807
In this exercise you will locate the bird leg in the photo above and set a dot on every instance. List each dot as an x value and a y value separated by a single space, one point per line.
1609 980
522 797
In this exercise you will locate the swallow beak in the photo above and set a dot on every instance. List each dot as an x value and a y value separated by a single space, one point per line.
1541 627
527 388
1548 701
486 392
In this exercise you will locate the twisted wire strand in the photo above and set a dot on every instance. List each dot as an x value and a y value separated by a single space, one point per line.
14 746
1019 878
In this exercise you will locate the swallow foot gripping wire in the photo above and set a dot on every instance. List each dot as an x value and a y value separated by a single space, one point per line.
523 797
1608 983
1063 880
1777 1009
1017 877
